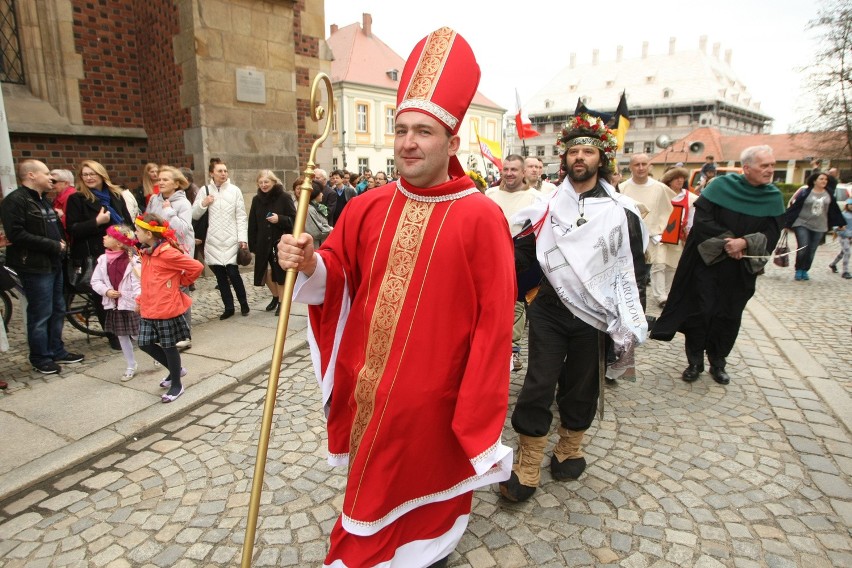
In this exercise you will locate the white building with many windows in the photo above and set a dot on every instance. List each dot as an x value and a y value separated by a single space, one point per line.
668 94
365 75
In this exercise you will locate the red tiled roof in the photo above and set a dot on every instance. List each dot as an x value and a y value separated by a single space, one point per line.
800 146
365 60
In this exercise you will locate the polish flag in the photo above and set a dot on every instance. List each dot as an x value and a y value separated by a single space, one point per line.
522 122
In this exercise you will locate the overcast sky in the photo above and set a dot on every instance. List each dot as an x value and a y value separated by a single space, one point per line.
523 47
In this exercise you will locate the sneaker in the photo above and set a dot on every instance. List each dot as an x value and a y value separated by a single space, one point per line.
517 364
69 358
4 385
846 275
833 268
798 275
805 275
48 368
185 344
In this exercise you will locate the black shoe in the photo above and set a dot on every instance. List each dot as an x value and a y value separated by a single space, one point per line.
48 368
833 268
226 314
719 375
512 489
442 563
272 305
690 374
278 310
571 468
244 310
70 358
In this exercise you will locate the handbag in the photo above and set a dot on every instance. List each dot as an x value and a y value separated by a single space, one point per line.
79 274
200 225
243 256
782 252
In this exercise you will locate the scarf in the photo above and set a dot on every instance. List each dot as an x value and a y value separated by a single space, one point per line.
735 193
117 261
590 264
104 196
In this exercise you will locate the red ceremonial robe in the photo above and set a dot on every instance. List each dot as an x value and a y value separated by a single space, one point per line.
411 334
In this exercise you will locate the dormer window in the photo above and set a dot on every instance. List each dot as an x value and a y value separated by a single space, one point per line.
393 74
548 103
667 93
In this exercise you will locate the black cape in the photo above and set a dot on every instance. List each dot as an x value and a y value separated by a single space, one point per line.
701 291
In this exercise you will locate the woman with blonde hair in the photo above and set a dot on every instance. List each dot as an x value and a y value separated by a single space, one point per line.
97 204
149 186
172 205
271 215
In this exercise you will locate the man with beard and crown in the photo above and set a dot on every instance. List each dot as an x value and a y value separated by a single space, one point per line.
590 243
411 300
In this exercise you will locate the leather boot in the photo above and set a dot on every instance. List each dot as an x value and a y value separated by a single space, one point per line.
567 461
526 474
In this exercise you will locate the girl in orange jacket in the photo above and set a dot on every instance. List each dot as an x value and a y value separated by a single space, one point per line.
165 268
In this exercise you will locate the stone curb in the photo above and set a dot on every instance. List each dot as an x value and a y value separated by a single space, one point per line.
833 394
124 430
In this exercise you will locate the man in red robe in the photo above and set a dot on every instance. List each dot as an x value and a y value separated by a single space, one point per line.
412 302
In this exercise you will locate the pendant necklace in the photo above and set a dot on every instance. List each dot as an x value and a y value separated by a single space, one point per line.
581 220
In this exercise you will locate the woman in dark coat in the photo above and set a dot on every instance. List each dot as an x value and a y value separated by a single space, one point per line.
97 204
271 215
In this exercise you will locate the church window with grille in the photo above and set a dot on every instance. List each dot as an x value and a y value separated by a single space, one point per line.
11 63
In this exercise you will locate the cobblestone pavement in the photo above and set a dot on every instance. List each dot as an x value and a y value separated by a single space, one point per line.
752 474
15 367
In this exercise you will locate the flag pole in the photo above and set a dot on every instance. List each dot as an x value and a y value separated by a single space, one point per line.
317 114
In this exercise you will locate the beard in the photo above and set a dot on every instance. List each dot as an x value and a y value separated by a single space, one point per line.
581 176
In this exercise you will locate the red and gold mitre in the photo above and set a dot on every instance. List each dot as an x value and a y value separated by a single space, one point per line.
439 79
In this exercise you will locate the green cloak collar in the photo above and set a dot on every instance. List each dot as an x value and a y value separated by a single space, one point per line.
733 192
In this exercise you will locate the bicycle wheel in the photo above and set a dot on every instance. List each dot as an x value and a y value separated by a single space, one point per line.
6 308
80 313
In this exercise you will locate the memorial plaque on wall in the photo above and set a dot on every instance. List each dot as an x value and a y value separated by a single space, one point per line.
251 86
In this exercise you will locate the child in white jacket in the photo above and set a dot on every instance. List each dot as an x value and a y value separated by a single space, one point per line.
117 278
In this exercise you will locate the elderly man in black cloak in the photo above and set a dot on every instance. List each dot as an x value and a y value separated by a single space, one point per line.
738 221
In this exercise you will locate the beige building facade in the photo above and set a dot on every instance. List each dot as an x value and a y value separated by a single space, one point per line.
167 81
366 73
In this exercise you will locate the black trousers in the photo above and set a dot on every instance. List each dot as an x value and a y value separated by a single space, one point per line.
559 344
716 336
225 277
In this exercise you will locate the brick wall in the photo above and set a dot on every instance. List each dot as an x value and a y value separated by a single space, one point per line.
121 157
308 46
105 35
131 79
164 119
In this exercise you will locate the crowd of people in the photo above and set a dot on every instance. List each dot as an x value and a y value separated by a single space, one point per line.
441 258
77 230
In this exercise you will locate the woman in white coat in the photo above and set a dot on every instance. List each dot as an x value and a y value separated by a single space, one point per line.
226 233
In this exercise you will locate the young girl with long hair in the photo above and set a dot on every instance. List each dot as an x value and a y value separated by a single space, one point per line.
165 268
116 279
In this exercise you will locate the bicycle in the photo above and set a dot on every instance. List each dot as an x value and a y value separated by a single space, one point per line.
80 313
11 288
79 306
